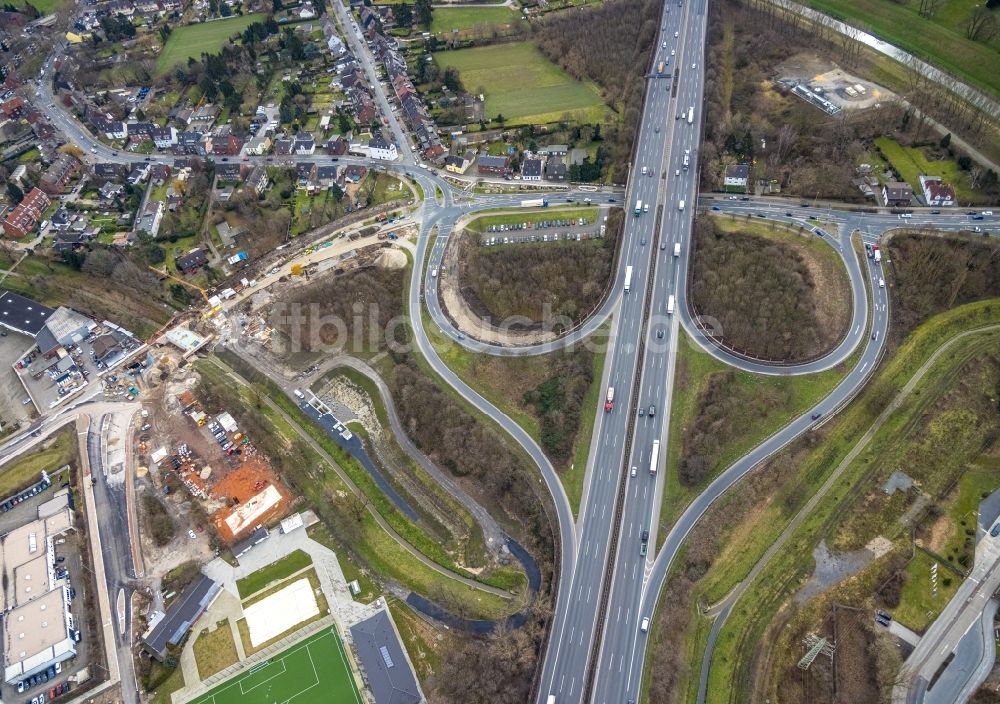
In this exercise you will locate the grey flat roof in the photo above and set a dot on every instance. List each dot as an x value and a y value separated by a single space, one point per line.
185 611
386 667
22 314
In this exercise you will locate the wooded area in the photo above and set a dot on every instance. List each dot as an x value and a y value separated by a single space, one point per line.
502 668
557 402
934 274
351 311
610 44
807 152
761 292
541 281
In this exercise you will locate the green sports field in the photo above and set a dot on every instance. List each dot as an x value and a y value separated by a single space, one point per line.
524 86
314 670
193 40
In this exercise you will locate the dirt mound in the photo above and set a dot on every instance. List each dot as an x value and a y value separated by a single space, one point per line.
391 258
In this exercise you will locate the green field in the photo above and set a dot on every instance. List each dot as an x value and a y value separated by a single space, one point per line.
314 670
463 19
194 40
522 85
940 41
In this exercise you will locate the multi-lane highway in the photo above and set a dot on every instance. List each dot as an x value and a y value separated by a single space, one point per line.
596 646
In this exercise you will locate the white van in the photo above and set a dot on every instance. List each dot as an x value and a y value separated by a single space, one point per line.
643 170
644 626
677 249
670 305
881 283
434 273
299 394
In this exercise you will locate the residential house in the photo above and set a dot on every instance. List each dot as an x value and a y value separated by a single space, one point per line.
304 172
227 233
13 108
459 164
226 146
112 129
354 173
111 191
60 220
22 219
936 192
257 180
283 146
191 262
204 117
338 147
138 173
57 176
381 148
111 171
497 165
897 193
229 171
305 144
164 137
531 170
140 130
69 241
258 144
554 150
555 168
190 143
326 175
149 220
434 153
737 176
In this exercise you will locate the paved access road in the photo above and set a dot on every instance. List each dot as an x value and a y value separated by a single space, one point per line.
958 630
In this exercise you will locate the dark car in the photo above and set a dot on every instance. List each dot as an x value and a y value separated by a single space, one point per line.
645 535
995 531
788 214
612 200
815 416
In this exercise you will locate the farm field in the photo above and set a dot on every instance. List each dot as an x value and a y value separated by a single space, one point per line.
463 19
941 41
522 85
195 39
314 670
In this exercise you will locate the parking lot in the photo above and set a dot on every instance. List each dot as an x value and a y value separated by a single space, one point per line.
12 394
52 380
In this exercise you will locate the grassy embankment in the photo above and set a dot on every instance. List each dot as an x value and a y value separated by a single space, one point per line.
27 469
752 615
276 571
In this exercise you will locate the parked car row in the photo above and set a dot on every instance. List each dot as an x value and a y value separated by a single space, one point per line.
26 494
40 678
544 224
220 437
554 237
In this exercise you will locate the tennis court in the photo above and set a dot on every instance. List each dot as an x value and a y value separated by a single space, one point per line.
314 670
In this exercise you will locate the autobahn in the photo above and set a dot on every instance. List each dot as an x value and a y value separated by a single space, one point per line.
639 359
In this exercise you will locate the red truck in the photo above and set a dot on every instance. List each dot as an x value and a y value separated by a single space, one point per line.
609 402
